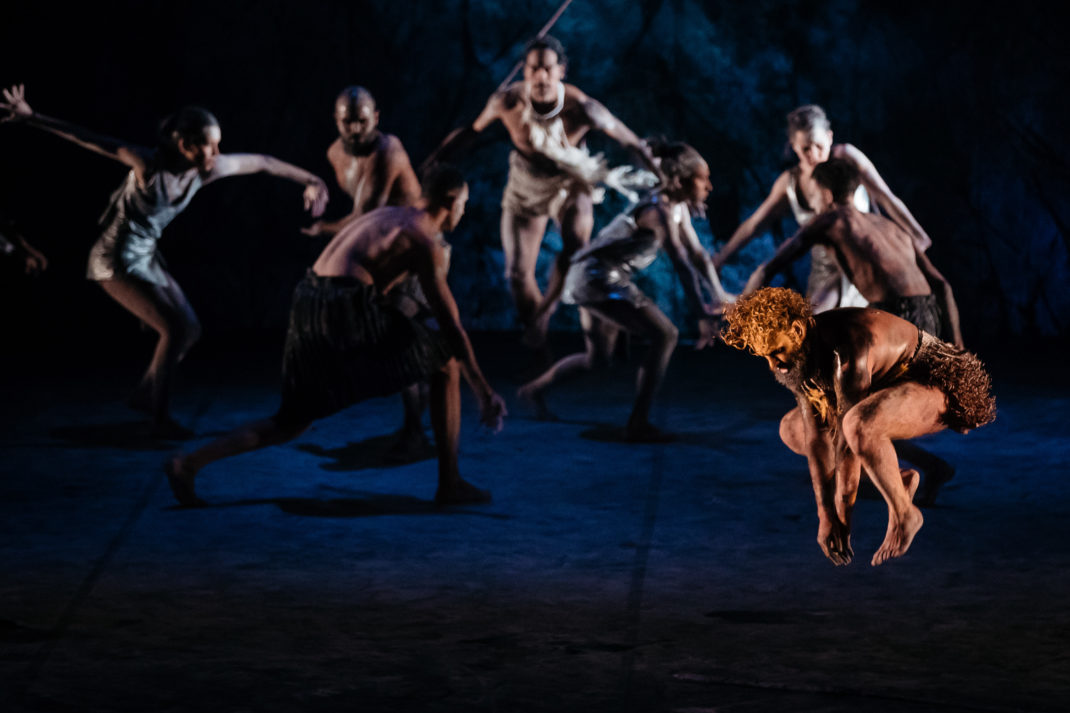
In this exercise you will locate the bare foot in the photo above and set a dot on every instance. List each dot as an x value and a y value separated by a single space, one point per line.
934 479
180 478
461 492
647 433
533 397
410 446
911 478
899 536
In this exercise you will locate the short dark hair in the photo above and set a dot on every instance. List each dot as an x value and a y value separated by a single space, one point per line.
188 124
439 181
355 96
678 161
547 42
839 176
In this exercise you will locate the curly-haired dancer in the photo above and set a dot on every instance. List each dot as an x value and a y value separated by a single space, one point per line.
862 377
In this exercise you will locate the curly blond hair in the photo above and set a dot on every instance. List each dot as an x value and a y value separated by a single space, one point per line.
754 321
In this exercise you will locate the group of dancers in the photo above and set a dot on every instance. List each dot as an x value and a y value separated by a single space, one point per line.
374 314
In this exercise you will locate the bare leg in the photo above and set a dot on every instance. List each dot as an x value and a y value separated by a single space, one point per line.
902 411
446 423
521 238
181 469
577 223
650 322
599 336
937 470
166 310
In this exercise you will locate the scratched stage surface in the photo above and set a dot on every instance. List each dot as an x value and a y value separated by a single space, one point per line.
604 577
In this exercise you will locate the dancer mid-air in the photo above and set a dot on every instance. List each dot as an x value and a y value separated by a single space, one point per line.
861 378
125 260
599 281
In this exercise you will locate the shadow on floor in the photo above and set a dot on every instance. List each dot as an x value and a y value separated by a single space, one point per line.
371 506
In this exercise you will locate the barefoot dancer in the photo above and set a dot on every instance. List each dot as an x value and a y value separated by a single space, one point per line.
346 344
599 281
374 170
888 269
810 138
551 173
861 377
125 260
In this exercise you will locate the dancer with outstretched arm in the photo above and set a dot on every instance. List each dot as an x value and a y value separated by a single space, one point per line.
125 261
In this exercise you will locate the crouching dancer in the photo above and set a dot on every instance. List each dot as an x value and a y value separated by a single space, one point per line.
346 343
862 377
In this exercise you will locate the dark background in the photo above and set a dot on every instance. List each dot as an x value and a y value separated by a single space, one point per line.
960 106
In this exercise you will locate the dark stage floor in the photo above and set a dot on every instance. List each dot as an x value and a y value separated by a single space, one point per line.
605 576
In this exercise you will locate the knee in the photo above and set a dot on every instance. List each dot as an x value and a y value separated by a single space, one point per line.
668 336
857 433
791 432
517 276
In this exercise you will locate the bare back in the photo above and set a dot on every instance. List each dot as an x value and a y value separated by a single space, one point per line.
381 247
876 254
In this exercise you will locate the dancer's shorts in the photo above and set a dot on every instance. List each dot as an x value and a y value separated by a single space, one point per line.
962 378
920 310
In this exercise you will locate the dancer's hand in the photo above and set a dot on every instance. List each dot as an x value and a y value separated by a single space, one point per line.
316 196
14 103
315 229
835 540
492 411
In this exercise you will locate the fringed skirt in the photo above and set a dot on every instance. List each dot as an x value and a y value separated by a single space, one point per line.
346 344
962 378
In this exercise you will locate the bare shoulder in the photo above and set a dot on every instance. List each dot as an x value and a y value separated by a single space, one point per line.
393 149
849 152
509 99
574 93
653 215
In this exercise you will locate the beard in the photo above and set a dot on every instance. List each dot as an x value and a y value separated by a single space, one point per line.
798 371
361 145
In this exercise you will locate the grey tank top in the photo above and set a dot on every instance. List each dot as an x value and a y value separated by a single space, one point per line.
622 243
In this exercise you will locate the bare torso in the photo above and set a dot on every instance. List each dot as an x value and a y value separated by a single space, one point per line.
383 176
381 248
876 254
515 105
870 340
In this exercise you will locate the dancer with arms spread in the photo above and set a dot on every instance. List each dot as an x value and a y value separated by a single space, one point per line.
125 260
551 173
795 192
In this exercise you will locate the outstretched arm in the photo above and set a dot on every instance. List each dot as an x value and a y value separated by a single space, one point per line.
942 289
604 121
461 139
774 206
432 266
17 109
243 164
882 194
